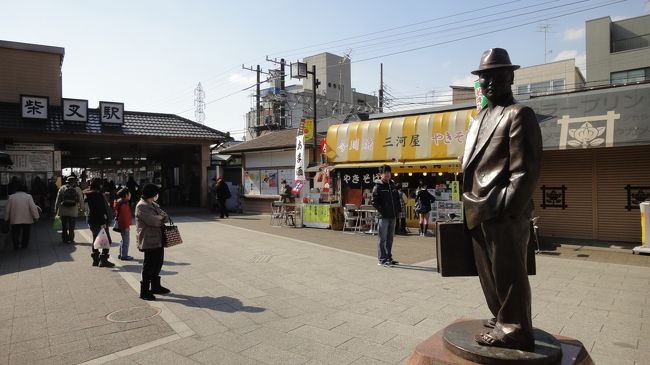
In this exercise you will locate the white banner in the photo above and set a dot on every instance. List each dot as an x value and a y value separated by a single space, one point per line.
301 161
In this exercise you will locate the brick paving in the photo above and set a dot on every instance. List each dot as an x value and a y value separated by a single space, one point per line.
248 293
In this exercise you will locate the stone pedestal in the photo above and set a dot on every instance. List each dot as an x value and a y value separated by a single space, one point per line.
437 349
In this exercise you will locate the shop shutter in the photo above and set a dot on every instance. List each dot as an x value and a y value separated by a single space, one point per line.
573 169
616 168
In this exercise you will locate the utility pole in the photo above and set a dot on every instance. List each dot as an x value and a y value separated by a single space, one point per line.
258 114
381 88
283 112
546 28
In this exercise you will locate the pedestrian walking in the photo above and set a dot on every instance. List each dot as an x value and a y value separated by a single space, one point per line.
68 204
21 212
99 214
400 222
123 216
423 201
386 200
149 220
223 194
134 188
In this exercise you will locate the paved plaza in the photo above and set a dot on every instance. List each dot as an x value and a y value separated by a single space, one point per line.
244 292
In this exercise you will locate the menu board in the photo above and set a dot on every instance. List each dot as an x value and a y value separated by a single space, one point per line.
31 161
444 208
316 215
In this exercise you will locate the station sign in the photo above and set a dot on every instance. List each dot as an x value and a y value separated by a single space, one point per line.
74 110
111 112
34 107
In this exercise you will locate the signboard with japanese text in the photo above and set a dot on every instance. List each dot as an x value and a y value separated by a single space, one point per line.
74 110
31 161
252 182
445 208
301 160
111 113
34 107
359 178
30 147
419 137
316 215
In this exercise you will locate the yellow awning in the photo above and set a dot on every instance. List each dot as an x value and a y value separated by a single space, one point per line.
446 165
436 136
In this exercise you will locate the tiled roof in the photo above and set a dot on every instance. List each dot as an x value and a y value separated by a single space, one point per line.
285 138
135 124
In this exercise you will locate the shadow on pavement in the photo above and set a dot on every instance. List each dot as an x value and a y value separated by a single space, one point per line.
45 248
138 268
220 304
418 268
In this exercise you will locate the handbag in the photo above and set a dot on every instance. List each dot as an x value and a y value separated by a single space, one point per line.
170 234
116 224
57 225
101 241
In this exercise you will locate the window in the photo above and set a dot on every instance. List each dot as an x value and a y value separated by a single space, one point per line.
522 90
623 77
557 85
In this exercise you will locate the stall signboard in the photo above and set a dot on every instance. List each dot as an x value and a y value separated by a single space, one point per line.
31 161
455 190
316 215
445 208
34 107
419 137
252 182
74 110
111 113
301 160
359 178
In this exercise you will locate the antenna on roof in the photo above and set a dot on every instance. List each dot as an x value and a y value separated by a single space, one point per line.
199 103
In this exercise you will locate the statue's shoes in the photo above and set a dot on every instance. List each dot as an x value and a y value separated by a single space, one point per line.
490 323
505 341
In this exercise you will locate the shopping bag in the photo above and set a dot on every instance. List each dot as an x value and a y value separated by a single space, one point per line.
57 225
101 241
116 227
171 235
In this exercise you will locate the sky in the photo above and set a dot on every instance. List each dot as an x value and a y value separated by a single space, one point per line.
152 54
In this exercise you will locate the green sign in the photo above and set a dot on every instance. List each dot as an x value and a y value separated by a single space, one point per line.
481 100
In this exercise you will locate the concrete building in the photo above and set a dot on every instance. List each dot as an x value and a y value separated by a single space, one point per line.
337 100
548 78
618 52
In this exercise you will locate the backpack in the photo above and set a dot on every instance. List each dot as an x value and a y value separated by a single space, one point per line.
70 197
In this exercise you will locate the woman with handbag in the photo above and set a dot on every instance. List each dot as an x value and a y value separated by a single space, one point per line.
149 222
123 222
423 201
99 216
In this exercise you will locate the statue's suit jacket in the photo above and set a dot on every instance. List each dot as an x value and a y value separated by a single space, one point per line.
501 163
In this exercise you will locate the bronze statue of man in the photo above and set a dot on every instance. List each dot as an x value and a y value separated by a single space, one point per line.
501 166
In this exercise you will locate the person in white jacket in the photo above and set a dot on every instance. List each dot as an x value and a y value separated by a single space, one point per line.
21 213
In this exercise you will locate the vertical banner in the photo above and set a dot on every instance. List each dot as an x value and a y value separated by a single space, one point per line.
301 163
481 100
455 190
308 129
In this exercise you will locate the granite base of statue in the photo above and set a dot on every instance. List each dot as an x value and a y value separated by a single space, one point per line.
455 345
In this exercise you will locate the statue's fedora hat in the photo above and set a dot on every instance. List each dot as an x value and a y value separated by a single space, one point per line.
494 58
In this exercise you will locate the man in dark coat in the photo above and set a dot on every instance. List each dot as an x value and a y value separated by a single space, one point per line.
223 194
387 202
501 166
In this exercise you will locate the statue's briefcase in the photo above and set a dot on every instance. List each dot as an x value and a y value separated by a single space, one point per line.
455 254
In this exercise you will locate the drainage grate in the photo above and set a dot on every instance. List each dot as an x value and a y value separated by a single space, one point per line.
133 314
261 259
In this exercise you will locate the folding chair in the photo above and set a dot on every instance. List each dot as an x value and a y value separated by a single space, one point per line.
289 214
276 213
350 217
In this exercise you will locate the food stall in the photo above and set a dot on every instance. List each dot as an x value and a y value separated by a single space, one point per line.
418 147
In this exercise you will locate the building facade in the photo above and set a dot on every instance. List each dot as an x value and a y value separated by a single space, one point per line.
618 52
45 133
336 100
